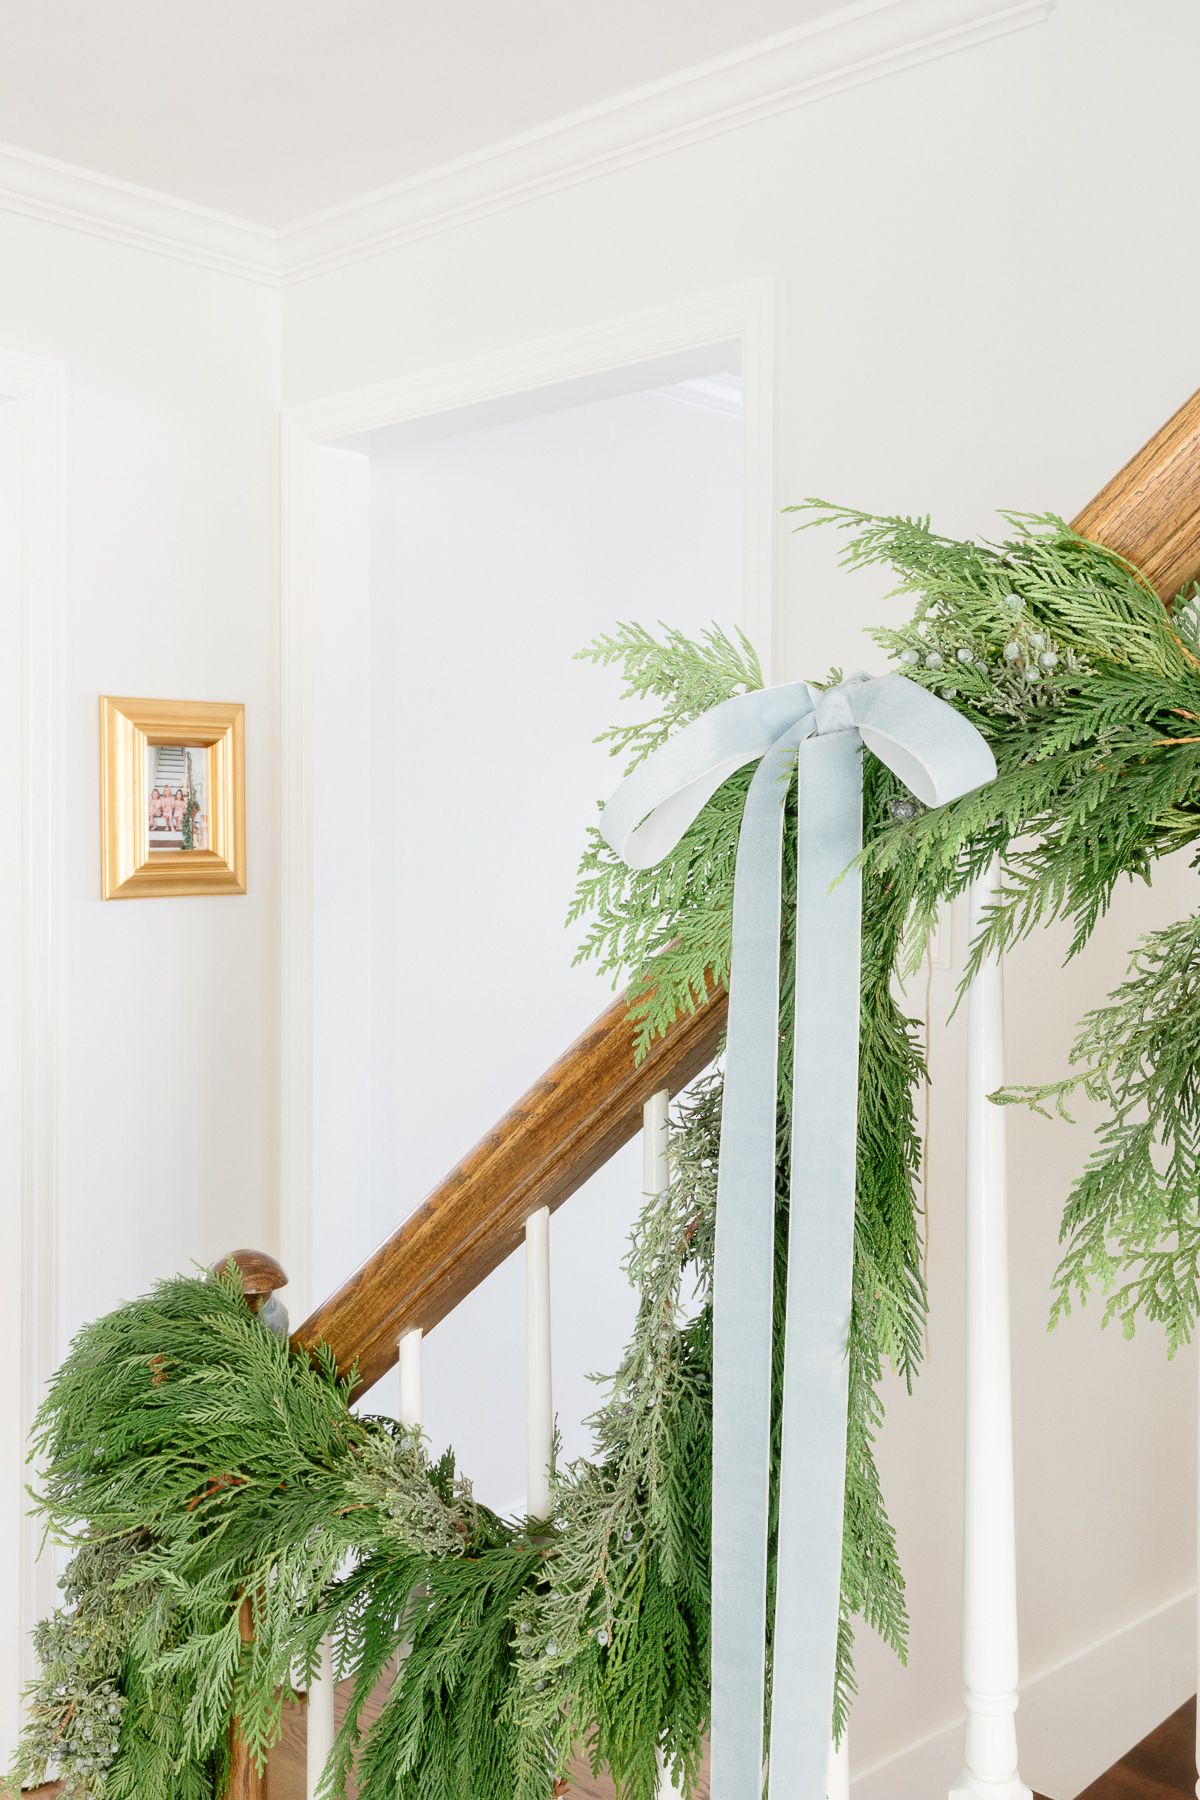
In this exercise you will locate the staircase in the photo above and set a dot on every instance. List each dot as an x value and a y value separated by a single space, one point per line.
170 772
595 1099
589 1104
170 767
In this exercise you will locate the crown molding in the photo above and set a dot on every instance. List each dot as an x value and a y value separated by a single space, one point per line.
59 193
859 43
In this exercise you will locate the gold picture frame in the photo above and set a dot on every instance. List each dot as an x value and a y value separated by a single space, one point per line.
132 865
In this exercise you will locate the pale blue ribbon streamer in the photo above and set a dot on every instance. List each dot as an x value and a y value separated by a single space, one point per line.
939 756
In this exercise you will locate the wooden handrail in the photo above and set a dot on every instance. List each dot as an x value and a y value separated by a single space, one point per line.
1150 510
565 1128
590 1102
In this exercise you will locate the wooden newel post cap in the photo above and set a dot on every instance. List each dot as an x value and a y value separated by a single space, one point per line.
261 1274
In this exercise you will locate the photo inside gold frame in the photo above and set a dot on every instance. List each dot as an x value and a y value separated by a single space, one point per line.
178 798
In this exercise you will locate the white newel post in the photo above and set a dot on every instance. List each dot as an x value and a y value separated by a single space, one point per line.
989 1641
539 1371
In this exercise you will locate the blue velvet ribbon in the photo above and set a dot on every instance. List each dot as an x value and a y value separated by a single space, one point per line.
820 735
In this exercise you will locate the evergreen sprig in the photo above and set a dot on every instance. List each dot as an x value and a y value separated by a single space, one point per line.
1135 1210
1088 689
196 1464
666 930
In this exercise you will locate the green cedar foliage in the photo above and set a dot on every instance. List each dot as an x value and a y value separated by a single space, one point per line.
1088 689
192 1459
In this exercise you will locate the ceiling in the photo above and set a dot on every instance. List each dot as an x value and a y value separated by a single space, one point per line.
271 110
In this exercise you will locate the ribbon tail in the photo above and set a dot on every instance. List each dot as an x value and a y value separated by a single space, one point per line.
820 1265
743 1294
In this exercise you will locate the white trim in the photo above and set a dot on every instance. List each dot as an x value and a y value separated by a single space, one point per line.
1078 1717
36 385
711 393
297 448
60 193
742 315
858 43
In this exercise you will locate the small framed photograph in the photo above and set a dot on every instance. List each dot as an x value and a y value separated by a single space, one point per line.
172 798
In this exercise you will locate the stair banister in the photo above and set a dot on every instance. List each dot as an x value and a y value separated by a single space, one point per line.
591 1102
568 1125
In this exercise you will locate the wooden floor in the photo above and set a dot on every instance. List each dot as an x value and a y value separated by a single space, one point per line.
1162 1767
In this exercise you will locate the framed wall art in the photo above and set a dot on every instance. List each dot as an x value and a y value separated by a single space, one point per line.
172 798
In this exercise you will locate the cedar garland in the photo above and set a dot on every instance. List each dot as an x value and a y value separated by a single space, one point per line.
191 1457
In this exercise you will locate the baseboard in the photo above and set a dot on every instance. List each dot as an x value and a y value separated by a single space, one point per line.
1076 1719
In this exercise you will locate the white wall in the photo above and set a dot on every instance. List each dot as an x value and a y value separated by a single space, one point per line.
168 540
455 771
171 432
985 296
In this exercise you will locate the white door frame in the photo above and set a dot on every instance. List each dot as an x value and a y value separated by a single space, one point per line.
36 386
744 314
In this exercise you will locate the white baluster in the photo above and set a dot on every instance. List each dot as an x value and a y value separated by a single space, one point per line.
320 1719
989 1640
837 1782
656 1175
666 1787
539 1379
408 1347
411 1408
1198 1612
656 1172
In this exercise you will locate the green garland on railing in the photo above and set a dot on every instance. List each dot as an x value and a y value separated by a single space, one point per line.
191 1459
1088 689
